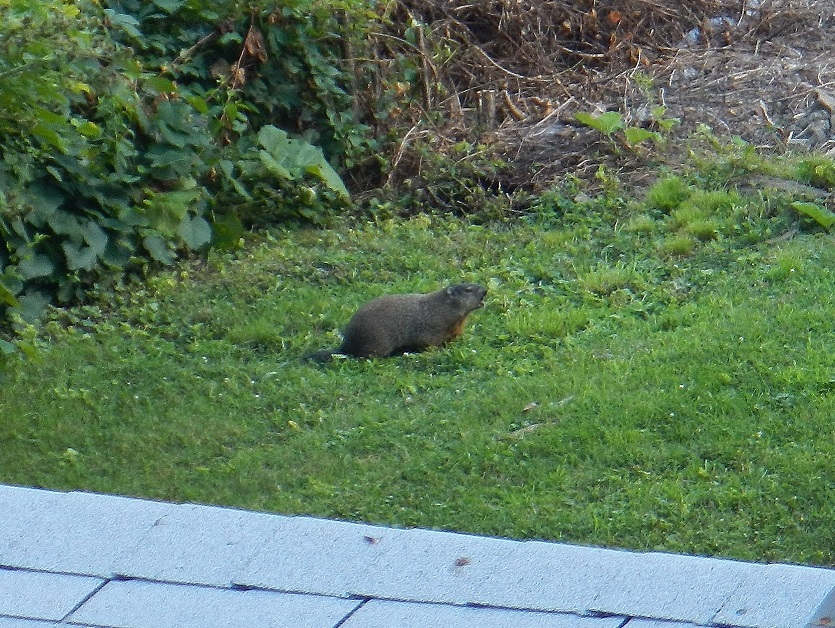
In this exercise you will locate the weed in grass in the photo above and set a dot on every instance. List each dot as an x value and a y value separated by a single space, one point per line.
817 170
260 333
680 245
641 224
684 215
668 193
604 280
713 202
552 204
720 162
704 230
784 266
546 320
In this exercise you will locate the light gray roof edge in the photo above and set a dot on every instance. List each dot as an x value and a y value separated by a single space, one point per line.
395 527
207 545
445 531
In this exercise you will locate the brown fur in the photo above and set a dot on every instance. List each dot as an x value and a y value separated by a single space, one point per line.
398 323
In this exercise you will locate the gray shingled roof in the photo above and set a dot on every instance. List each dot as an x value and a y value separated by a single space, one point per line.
80 559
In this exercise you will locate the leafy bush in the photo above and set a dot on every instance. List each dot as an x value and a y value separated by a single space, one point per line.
273 63
134 131
274 156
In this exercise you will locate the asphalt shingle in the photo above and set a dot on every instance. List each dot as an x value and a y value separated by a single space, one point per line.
199 545
35 595
22 508
339 558
78 533
776 596
114 562
378 614
552 576
668 586
136 604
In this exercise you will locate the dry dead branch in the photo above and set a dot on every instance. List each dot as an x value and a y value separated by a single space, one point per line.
517 71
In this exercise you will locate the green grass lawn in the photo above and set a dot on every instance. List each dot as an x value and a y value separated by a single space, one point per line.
629 383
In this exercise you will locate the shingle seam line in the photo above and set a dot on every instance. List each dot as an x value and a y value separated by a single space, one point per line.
342 621
86 599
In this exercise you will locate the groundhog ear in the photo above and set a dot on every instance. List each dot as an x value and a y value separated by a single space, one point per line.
450 290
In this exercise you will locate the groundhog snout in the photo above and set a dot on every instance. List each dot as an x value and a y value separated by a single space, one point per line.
481 298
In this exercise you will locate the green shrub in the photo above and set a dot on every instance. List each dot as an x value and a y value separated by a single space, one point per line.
131 132
269 63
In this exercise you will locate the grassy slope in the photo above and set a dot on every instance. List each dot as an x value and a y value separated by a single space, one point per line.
609 393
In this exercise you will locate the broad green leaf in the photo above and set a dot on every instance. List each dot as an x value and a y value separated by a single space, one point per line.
11 282
166 210
169 6
83 253
232 37
27 349
49 136
7 296
329 176
64 223
162 155
271 164
118 252
134 218
228 169
291 159
230 111
32 305
35 265
635 135
195 231
228 231
160 84
273 139
87 128
123 21
200 105
159 250
79 256
19 228
69 289
95 236
78 87
824 217
607 123
45 201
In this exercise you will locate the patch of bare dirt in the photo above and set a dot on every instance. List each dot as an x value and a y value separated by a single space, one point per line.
763 70
767 77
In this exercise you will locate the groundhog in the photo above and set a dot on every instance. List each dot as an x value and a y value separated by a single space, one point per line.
399 323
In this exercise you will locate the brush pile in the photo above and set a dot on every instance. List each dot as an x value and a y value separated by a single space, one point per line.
514 73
